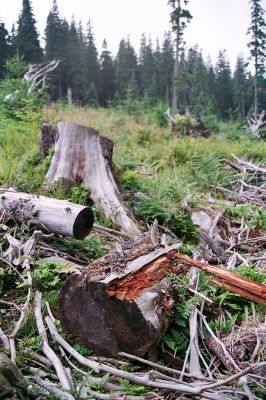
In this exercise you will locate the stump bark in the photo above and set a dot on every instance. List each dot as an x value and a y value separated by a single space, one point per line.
83 155
52 215
123 301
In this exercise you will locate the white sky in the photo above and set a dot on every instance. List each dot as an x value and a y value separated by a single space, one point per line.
216 24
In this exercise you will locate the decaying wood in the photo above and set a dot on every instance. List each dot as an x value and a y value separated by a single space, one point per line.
121 302
83 155
236 283
51 215
112 302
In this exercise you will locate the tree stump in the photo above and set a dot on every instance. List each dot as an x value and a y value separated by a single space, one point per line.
83 155
123 301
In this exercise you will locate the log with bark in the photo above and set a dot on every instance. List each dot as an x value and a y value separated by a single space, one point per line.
51 215
82 155
123 301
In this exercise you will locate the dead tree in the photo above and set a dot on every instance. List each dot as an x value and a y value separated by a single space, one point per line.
83 155
256 124
52 215
37 74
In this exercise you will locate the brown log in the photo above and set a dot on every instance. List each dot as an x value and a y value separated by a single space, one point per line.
83 155
51 215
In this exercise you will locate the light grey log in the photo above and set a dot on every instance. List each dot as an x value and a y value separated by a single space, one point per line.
83 155
52 215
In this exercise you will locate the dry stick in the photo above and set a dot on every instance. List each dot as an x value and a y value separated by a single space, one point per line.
49 387
181 388
226 353
232 378
49 353
9 303
194 362
103 229
14 268
22 313
161 367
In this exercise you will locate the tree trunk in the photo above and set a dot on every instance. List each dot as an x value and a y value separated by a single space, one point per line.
82 155
121 302
52 215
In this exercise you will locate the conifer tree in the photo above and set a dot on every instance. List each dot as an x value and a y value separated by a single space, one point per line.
240 86
167 67
92 96
126 66
4 49
92 58
27 41
180 16
224 90
76 67
56 47
146 67
107 76
257 45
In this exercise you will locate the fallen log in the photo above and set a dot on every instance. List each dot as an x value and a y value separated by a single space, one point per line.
123 301
83 155
51 215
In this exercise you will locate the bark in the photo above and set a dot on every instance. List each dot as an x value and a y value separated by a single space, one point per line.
52 215
83 155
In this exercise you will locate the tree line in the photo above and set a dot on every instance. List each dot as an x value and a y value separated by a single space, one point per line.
87 76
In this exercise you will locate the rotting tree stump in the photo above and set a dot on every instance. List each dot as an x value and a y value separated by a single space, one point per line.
123 301
82 155
51 215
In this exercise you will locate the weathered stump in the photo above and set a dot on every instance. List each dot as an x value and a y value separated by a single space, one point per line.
83 155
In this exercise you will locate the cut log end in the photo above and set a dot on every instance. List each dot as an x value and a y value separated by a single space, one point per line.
83 223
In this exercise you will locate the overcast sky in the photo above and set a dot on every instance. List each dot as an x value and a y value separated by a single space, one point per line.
216 24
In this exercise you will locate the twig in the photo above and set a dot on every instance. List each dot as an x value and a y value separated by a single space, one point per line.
50 354
49 387
103 229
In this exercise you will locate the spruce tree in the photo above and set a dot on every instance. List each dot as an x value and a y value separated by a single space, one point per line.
92 96
107 76
180 16
76 66
27 41
4 49
240 86
257 45
55 47
92 58
126 67
146 67
224 89
167 67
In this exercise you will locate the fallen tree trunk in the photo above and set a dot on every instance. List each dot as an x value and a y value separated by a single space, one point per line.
83 155
122 302
52 215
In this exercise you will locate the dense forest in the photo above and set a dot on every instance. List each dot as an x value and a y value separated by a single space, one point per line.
93 77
